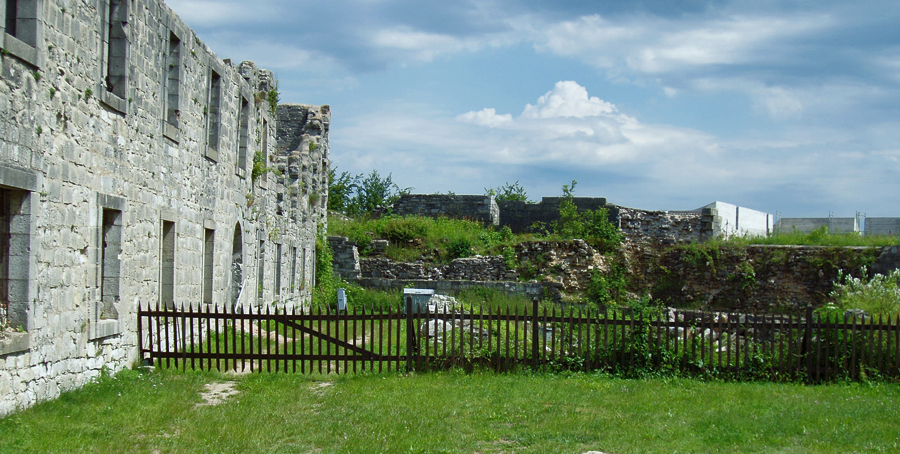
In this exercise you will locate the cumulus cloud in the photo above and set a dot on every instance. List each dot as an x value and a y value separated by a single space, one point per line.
568 99
486 117
568 125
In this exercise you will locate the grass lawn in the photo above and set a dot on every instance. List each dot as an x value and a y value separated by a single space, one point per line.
164 412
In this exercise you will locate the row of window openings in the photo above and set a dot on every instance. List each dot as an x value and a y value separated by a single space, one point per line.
167 266
21 22
213 107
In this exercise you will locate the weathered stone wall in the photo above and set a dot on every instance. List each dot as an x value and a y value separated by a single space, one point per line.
755 278
521 216
478 268
530 289
345 257
566 266
481 208
126 179
665 227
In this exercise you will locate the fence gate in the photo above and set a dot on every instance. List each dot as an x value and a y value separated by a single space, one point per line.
295 340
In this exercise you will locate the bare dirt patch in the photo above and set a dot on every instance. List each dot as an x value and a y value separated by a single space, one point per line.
217 393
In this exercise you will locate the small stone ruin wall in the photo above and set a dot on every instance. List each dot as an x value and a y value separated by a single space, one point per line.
757 278
478 268
666 227
345 257
567 266
521 216
473 207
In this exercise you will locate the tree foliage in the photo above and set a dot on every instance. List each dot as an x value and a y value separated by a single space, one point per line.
361 195
592 226
508 193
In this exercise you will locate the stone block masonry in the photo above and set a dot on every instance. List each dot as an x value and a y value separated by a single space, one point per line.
472 207
136 168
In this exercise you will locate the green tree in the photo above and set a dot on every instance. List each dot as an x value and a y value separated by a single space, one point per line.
508 192
340 189
592 226
358 195
373 192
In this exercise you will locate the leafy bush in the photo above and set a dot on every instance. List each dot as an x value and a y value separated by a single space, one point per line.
606 288
327 281
592 226
508 192
879 295
401 229
458 248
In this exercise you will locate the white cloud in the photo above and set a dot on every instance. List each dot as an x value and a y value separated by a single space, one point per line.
654 45
486 117
568 99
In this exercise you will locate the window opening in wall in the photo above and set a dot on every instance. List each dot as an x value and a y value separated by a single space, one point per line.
5 251
277 269
293 268
173 80
303 270
167 265
12 10
237 266
313 271
208 251
22 20
261 269
21 30
15 234
265 139
244 131
111 247
117 48
213 121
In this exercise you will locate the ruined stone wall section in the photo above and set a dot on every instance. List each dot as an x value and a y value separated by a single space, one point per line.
73 150
665 227
522 216
302 162
478 268
482 208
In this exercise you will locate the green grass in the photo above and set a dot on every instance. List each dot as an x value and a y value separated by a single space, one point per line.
821 237
455 412
412 238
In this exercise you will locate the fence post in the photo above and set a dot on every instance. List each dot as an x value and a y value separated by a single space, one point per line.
409 333
807 345
535 329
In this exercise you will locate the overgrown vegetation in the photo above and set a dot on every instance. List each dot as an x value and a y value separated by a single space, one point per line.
413 238
260 167
327 282
819 237
878 295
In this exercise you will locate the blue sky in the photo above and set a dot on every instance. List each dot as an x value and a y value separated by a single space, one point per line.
788 107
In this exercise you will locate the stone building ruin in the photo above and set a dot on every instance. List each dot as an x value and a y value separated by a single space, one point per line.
138 168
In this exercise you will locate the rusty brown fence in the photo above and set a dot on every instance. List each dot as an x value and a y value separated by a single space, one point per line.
729 346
